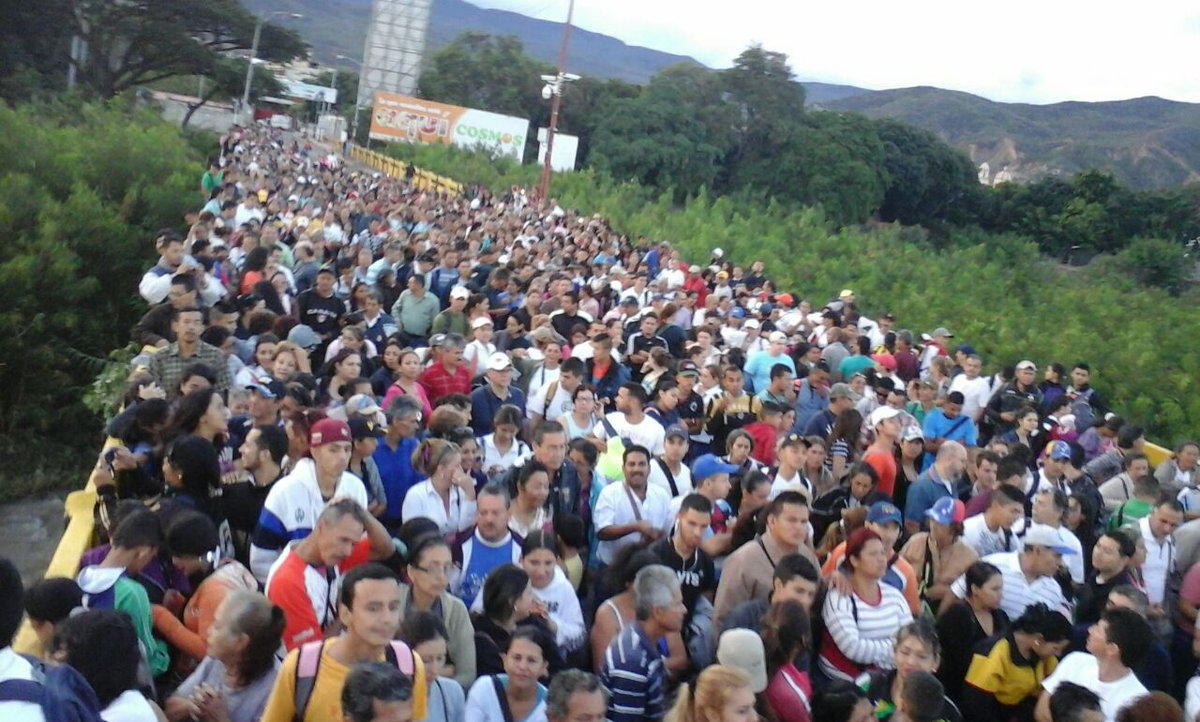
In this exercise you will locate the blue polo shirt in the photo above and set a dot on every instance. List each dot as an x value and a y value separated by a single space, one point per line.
397 474
485 403
923 494
960 429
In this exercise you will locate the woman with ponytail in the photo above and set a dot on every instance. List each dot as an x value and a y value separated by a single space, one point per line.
194 546
235 679
448 497
720 694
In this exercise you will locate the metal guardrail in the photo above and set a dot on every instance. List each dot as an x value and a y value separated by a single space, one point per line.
423 179
78 537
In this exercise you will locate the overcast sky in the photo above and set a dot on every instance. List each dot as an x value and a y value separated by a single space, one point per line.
1036 51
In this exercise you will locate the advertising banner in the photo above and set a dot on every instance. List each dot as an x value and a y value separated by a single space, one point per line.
307 91
566 147
412 120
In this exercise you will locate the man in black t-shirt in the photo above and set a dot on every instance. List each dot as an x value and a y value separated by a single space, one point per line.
691 409
681 552
320 309
262 455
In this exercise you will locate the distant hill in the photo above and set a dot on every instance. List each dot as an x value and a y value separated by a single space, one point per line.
339 27
1145 142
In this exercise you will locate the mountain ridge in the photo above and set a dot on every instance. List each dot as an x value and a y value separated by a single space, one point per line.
1146 142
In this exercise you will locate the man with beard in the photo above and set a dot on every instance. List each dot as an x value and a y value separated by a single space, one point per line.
168 363
262 455
632 510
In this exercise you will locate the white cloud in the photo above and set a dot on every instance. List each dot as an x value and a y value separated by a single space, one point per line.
1036 51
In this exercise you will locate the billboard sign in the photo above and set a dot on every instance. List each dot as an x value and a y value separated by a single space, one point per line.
307 91
412 120
566 147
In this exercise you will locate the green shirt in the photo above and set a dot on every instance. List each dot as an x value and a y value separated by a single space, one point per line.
130 598
1129 512
854 365
210 182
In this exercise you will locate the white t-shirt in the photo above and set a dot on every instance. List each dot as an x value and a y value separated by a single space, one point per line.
648 433
131 706
1083 669
985 541
613 508
976 393
796 483
560 404
658 477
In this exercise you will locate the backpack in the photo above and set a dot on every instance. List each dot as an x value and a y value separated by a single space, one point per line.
611 462
62 693
1081 409
309 663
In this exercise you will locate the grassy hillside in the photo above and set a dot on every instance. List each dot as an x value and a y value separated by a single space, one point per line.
1144 142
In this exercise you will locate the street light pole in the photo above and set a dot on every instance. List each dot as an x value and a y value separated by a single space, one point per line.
250 66
357 107
556 102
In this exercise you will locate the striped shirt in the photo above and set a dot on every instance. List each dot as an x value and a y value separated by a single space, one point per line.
635 676
1019 592
860 635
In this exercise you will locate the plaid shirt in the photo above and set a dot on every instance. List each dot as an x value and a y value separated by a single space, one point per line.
439 382
167 365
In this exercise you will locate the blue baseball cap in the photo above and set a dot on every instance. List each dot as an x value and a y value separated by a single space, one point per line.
1060 450
737 312
882 512
947 510
709 465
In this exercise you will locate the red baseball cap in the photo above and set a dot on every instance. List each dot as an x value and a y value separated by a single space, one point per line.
328 431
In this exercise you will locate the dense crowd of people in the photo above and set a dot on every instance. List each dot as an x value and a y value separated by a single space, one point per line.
397 455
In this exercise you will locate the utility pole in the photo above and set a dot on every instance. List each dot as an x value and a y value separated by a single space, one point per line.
556 102
250 66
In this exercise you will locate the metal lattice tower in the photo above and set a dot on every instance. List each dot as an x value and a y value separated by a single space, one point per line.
395 44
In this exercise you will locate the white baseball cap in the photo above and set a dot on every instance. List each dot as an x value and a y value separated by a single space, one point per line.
882 414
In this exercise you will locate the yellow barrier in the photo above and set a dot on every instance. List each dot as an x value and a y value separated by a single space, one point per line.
422 179
78 537
1156 454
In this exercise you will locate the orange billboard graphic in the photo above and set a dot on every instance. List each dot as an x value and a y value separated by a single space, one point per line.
413 120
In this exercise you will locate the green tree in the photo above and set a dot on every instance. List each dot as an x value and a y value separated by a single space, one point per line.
137 42
1158 262
927 179
82 192
768 104
673 135
488 72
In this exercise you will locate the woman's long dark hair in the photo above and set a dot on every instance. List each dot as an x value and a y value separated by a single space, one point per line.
188 412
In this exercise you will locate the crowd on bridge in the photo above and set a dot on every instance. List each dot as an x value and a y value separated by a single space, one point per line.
391 454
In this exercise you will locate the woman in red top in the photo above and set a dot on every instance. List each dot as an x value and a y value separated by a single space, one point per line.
786 636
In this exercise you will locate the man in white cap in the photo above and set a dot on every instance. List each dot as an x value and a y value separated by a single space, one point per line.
758 365
935 345
498 391
881 454
481 348
1028 573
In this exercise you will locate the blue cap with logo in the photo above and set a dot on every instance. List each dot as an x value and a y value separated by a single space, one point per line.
709 465
883 512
